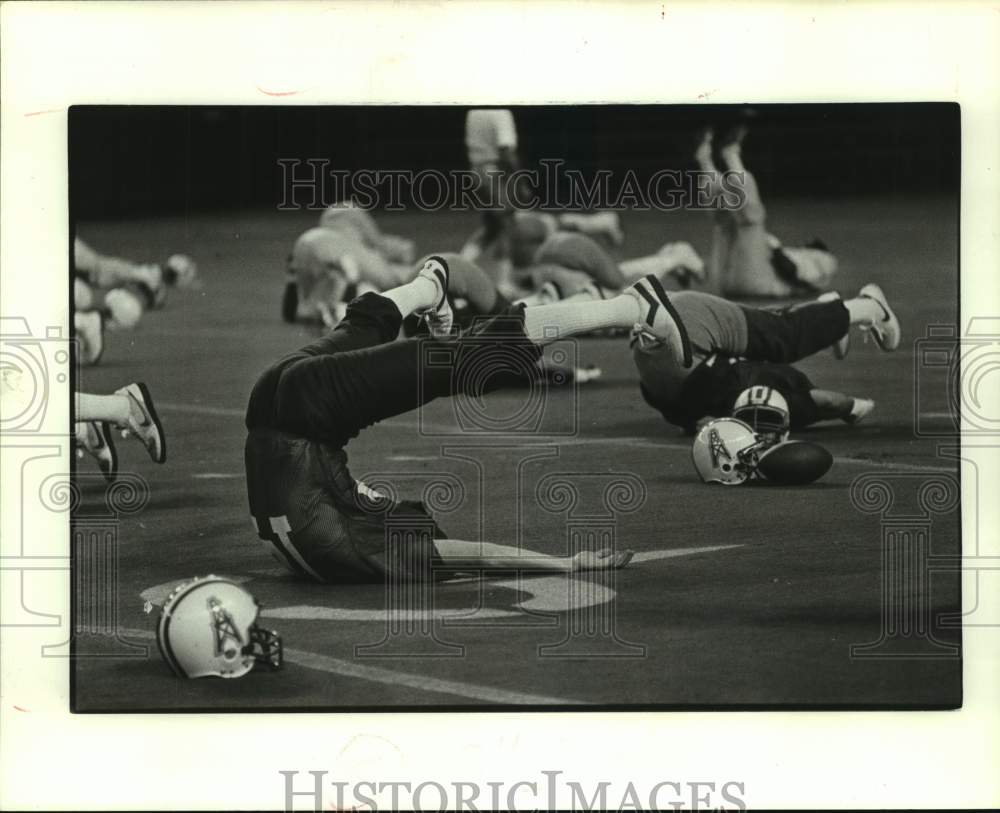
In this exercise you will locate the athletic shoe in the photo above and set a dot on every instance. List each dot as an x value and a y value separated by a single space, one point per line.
885 331
151 280
860 410
89 328
180 271
842 346
95 438
659 324
143 422
439 318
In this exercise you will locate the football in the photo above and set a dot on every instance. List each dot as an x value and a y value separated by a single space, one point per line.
794 463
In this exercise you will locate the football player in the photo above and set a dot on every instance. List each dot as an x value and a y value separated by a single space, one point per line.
150 280
491 144
112 293
131 411
306 407
735 347
561 264
746 260
345 255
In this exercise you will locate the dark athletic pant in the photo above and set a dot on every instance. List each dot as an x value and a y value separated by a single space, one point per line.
357 374
774 340
791 334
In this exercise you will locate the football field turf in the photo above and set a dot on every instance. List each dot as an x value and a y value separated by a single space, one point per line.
748 596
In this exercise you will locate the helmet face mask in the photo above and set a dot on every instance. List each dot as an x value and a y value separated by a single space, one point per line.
208 628
727 451
265 647
764 410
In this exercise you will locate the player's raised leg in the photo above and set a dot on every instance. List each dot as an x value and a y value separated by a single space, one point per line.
795 333
131 410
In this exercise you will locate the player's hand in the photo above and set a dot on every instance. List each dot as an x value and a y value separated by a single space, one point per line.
604 559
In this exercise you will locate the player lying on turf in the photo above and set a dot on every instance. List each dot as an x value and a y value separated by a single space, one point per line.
351 217
735 347
112 293
746 260
131 411
305 408
148 280
558 264
343 256
525 232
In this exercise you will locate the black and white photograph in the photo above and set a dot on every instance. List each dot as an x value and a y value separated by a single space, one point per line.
491 405
642 402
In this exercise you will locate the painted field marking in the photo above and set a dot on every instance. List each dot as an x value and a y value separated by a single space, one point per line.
544 594
410 680
647 443
217 475
656 555
199 409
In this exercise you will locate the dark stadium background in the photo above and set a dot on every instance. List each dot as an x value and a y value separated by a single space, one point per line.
132 161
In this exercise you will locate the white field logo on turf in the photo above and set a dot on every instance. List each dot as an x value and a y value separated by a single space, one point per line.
552 594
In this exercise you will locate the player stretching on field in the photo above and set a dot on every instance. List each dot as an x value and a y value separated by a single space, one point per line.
557 265
110 292
491 142
736 347
746 260
305 408
330 262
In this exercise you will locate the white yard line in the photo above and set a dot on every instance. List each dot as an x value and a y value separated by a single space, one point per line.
410 680
655 555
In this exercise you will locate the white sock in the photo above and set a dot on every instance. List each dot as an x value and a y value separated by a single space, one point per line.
113 408
548 323
864 311
414 296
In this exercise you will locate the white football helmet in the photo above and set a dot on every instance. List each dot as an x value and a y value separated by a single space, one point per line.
726 451
207 627
766 411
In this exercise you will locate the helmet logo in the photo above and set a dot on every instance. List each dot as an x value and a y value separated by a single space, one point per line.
717 448
228 641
